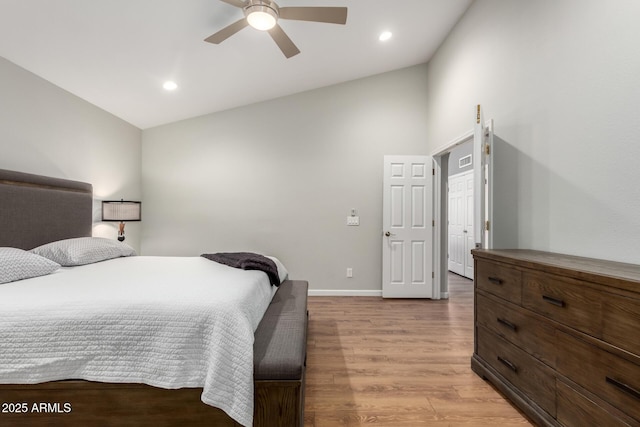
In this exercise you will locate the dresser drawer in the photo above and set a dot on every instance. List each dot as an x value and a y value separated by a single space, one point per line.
567 302
526 373
517 326
608 376
575 410
499 279
621 322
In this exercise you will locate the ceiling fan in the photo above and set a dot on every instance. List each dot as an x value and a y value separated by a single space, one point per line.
264 14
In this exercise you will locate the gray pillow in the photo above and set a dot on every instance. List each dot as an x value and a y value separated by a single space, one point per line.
16 264
83 250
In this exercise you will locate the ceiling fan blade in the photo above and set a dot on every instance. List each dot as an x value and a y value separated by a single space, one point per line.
227 32
236 3
283 41
331 15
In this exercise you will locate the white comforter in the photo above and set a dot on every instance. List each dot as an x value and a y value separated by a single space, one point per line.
163 321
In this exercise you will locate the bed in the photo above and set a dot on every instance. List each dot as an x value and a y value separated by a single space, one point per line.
151 353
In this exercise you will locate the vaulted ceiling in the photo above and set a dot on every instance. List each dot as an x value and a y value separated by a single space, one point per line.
117 54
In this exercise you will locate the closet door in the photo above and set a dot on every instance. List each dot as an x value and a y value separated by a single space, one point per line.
457 218
469 239
461 231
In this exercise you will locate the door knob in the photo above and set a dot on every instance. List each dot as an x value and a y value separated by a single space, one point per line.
389 234
464 231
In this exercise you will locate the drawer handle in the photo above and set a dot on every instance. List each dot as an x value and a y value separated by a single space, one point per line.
508 324
508 364
554 301
624 387
495 280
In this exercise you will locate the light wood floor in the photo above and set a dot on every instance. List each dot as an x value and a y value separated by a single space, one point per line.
398 363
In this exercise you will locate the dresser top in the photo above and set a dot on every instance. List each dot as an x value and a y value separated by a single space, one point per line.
610 273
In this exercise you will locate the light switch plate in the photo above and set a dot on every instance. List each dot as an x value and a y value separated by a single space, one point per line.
353 220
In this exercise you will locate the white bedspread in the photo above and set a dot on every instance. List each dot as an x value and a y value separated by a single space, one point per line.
168 322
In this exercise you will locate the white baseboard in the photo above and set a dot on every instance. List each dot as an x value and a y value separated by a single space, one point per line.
344 293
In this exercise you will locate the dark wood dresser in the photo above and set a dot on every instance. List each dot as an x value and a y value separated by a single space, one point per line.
559 335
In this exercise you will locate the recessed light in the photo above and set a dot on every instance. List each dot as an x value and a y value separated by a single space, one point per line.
385 36
170 85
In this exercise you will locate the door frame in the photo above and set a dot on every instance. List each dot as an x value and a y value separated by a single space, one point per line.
440 210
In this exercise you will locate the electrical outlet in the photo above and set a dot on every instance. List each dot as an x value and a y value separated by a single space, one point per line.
349 272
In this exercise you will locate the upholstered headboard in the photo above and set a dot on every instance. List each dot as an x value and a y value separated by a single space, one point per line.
36 209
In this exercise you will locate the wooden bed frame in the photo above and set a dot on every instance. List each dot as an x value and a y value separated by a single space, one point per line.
138 405
35 210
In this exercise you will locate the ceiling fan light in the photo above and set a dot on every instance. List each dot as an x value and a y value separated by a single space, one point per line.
261 18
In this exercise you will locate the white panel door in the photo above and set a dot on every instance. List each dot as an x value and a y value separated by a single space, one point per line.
461 241
478 174
483 187
456 208
469 241
407 249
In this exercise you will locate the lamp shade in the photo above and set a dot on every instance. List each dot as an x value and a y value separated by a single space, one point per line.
121 210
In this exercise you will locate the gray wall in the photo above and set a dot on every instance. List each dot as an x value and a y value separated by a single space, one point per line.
560 79
456 154
280 177
46 130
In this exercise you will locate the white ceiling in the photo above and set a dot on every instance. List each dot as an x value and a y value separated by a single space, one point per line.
116 54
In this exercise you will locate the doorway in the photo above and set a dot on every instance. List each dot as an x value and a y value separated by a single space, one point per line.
460 195
481 140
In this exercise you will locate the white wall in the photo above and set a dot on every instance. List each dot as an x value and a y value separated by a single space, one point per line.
280 177
46 130
561 80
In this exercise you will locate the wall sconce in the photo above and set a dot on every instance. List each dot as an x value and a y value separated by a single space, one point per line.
121 210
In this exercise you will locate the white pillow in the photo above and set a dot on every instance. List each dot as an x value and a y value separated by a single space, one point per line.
83 250
16 264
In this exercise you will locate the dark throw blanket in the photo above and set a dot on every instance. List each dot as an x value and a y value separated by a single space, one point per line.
247 261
